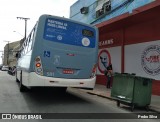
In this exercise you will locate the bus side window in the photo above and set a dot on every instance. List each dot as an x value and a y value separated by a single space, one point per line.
26 50
30 41
25 47
22 51
29 44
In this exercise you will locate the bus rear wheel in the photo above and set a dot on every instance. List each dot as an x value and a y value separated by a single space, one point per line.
22 88
16 77
61 90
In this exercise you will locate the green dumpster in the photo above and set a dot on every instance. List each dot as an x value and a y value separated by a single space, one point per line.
131 90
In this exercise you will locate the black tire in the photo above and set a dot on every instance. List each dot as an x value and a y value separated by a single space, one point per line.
118 103
22 88
147 108
132 107
62 90
16 77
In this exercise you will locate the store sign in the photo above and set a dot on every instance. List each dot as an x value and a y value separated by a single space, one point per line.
150 60
106 42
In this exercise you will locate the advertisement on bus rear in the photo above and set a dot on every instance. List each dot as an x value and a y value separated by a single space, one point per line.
67 32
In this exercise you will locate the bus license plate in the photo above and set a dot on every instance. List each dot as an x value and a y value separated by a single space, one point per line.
68 71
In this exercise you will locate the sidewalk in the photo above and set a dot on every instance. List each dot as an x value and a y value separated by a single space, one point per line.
102 91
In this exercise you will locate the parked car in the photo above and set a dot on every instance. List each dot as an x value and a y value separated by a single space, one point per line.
12 70
5 68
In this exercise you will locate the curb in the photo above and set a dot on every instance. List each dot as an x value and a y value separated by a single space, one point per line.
92 93
104 96
151 108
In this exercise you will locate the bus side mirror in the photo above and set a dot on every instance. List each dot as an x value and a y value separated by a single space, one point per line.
18 55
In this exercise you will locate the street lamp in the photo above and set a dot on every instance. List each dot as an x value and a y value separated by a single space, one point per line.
7 52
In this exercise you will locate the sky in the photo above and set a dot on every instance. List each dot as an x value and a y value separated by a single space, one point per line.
12 29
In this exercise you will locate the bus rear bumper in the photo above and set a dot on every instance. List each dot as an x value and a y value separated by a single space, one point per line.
38 80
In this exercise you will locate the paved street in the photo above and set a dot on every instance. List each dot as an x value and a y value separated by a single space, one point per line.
48 100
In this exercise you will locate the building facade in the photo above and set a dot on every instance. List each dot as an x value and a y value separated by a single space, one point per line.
98 11
10 51
129 36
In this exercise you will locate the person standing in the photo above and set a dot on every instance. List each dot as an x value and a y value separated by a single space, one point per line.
109 73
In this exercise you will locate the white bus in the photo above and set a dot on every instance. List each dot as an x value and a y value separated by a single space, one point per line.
58 52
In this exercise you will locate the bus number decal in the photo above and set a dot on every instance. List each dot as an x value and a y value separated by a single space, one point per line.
50 74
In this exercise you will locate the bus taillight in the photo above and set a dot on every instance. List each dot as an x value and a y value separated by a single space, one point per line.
38 66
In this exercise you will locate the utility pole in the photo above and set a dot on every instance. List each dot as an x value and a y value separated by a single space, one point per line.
25 31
